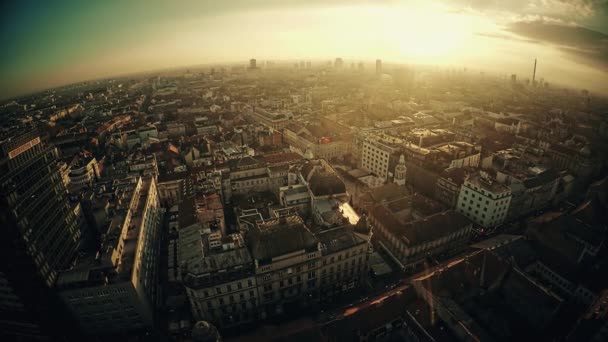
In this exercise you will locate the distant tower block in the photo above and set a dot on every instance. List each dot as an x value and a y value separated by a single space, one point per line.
378 67
513 78
252 63
338 63
534 73
400 171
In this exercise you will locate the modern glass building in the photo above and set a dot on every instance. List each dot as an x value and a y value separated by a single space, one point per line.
40 235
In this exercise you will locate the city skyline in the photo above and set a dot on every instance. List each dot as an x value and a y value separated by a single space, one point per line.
55 44
282 170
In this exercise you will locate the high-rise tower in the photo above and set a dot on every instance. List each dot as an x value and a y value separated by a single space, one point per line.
40 235
378 67
534 73
339 63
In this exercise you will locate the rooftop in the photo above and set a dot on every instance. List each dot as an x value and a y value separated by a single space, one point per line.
275 237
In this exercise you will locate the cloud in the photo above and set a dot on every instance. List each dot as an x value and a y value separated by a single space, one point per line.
578 43
497 35
568 10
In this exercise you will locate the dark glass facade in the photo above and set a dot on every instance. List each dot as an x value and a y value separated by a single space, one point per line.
40 235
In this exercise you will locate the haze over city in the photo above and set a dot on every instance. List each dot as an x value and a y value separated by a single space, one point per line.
54 43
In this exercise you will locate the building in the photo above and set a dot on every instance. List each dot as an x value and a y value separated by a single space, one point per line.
287 259
277 266
378 153
253 64
338 63
276 120
484 200
83 173
410 243
400 172
321 140
174 187
483 297
142 164
115 289
204 127
345 254
176 129
248 174
447 188
210 212
531 191
40 237
218 273
378 67
295 196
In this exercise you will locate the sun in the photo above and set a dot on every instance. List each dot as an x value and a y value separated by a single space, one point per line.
428 33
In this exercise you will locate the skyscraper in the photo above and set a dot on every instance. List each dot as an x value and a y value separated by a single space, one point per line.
338 63
378 67
40 235
252 63
534 73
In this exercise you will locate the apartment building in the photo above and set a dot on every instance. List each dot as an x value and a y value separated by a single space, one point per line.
83 173
410 243
378 154
116 289
287 259
219 276
484 200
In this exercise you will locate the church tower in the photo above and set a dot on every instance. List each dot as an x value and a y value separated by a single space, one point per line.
308 155
400 171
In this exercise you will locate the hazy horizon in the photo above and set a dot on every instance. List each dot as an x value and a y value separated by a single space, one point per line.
64 42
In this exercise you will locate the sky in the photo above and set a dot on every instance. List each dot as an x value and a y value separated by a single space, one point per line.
51 43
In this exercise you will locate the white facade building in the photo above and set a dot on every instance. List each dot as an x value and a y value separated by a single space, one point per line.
484 200
376 153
